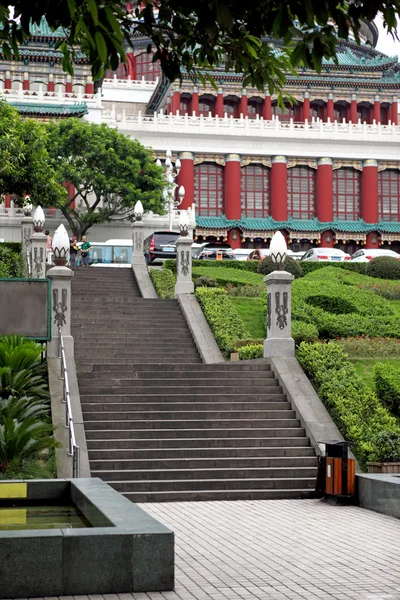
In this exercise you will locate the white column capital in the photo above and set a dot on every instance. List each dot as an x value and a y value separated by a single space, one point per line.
186 156
324 161
279 159
370 162
232 158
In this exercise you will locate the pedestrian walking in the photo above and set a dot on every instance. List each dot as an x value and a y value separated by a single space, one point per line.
85 248
73 251
49 246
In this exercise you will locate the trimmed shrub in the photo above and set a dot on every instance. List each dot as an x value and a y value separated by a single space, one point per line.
386 447
240 265
387 382
224 276
205 282
164 282
367 347
383 267
11 264
251 351
240 343
309 266
266 266
354 407
225 323
245 291
304 332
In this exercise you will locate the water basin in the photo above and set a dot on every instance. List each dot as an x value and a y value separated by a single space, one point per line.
31 516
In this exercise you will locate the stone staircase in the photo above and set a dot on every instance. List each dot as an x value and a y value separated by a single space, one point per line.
162 426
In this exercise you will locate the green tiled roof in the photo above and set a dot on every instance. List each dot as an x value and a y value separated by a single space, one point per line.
61 110
348 58
44 30
311 226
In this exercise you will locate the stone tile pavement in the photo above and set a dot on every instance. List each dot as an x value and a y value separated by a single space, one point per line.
278 550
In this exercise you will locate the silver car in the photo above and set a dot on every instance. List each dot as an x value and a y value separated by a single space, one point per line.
326 254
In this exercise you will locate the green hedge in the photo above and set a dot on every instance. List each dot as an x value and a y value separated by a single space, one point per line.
164 282
309 266
251 351
267 266
225 323
383 267
225 276
11 263
387 382
354 407
241 265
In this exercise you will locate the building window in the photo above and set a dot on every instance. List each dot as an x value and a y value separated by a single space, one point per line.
301 192
286 113
255 191
208 189
254 108
184 107
145 68
206 105
388 195
121 72
346 194
231 108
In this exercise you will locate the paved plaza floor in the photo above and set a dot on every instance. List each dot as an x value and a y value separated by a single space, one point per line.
278 550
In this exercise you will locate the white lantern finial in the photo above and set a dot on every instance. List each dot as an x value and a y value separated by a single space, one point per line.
184 223
38 219
138 210
60 245
278 249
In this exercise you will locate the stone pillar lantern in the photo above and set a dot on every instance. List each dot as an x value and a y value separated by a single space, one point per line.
61 277
279 342
138 236
38 245
26 234
184 283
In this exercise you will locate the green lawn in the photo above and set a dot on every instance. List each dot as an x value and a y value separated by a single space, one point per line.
395 306
365 368
251 312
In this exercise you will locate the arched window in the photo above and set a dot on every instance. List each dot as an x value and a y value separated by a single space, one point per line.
346 194
208 189
301 192
254 108
206 105
231 107
184 107
145 68
389 195
255 191
317 109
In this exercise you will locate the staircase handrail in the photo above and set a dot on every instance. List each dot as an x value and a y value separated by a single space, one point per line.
73 448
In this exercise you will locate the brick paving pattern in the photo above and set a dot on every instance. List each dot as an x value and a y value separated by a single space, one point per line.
277 550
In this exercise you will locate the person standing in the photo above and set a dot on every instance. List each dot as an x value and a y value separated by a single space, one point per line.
73 251
85 248
49 246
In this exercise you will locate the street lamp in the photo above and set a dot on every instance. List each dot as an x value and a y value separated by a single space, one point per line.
278 249
38 219
60 246
171 172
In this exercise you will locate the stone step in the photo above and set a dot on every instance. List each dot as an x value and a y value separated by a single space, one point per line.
156 362
205 443
129 336
225 407
202 434
187 453
175 397
105 344
251 468
215 495
191 415
122 388
253 483
240 368
169 376
227 423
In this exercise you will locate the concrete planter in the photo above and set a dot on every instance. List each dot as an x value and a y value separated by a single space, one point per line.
383 467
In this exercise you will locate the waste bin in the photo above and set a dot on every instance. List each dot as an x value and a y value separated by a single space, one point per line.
338 472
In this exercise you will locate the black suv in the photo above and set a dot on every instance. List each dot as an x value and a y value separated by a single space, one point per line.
160 244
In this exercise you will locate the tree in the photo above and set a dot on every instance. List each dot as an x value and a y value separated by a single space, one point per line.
110 173
197 35
24 164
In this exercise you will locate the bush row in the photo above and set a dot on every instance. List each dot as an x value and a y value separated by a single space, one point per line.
224 276
240 265
354 407
225 323
11 264
164 282
387 382
267 265
365 346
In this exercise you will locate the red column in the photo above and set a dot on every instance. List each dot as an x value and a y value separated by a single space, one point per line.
219 105
243 104
376 114
267 108
131 65
68 85
232 187
234 238
89 87
176 102
50 83
372 240
324 191
394 110
25 83
186 178
7 201
7 81
195 102
330 114
306 107
327 239
369 191
278 198
353 109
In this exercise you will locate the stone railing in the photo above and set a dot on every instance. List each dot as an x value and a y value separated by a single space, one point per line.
16 212
315 129
130 84
43 96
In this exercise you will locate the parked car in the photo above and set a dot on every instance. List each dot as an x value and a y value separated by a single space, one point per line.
112 253
326 254
242 253
160 245
365 255
258 254
211 250
297 255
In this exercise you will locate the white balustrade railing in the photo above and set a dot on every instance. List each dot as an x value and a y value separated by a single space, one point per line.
159 122
43 96
12 211
130 84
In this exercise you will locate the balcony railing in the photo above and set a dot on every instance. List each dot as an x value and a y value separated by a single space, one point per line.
130 84
43 96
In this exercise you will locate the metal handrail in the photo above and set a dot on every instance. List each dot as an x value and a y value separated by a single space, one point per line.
73 448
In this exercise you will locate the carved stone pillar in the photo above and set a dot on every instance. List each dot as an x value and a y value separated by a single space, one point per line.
137 243
60 310
279 341
184 283
26 234
38 255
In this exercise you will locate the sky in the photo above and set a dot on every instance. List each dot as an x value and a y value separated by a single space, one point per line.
386 44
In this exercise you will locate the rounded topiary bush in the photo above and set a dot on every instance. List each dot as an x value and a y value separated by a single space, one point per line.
384 267
332 304
266 266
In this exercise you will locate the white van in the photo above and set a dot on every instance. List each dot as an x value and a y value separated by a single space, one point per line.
112 253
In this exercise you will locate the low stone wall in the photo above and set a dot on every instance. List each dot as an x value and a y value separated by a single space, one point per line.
126 550
380 493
